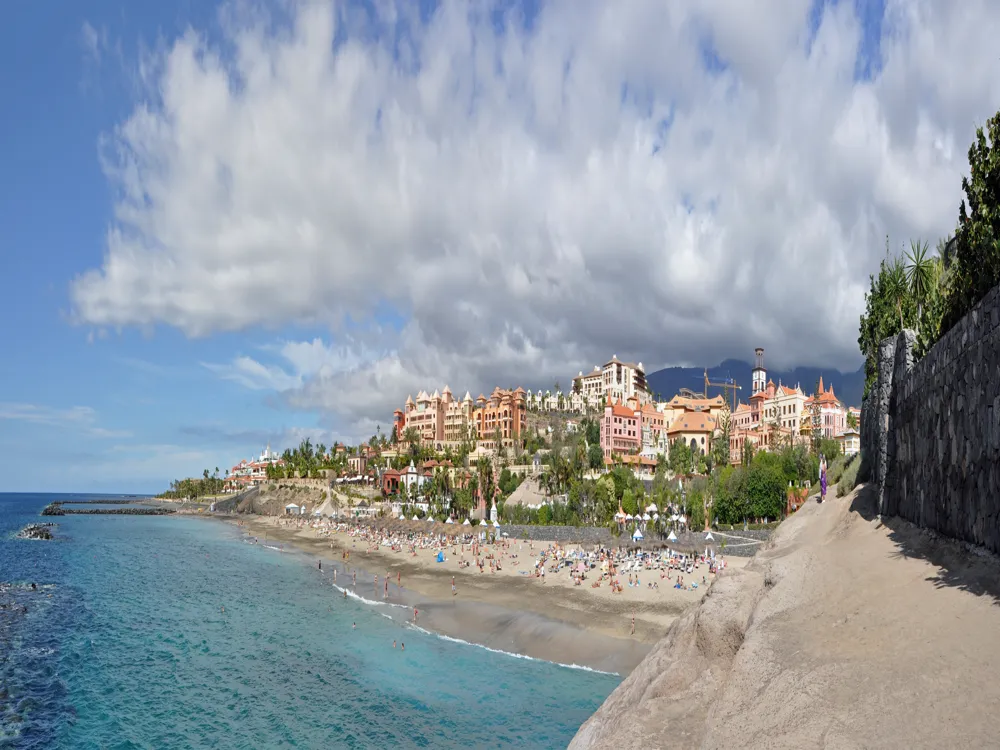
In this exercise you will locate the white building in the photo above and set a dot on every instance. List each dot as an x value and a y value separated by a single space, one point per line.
615 380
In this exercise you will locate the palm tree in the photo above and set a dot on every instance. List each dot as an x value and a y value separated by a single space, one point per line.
897 286
920 272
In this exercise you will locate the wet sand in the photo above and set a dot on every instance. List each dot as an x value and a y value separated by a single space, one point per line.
507 611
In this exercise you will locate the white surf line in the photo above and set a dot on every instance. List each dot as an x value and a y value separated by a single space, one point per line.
444 637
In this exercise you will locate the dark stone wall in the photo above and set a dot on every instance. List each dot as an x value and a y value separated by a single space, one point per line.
931 429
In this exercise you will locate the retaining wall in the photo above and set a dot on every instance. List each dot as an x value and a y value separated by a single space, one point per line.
930 429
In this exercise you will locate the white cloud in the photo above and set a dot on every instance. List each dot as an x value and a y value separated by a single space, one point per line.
79 417
47 415
516 196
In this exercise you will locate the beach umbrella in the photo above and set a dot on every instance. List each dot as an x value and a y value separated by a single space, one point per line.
673 518
651 508
466 522
430 519
628 516
496 524
448 520
402 517
709 537
484 522
415 518
645 517
636 535
656 516
683 520
672 537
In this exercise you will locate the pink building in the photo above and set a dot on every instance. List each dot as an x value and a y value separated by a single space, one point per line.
621 431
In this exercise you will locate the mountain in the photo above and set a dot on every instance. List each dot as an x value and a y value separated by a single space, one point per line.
849 386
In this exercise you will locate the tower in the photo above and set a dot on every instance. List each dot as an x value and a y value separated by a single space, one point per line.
759 373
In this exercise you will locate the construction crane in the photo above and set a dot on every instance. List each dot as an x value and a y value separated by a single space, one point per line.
725 385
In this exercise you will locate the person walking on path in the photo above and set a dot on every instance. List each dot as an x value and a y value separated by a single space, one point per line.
822 478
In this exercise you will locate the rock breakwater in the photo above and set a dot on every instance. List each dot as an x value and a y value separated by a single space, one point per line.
58 509
36 531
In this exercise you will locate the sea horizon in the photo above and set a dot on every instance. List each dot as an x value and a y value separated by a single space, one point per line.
169 631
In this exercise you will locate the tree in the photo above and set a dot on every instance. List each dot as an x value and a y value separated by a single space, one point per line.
629 504
920 274
887 305
976 265
595 456
852 421
720 441
897 287
680 457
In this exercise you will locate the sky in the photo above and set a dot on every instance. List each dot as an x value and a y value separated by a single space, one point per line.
230 224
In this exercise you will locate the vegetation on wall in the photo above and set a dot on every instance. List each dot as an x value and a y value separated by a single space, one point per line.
929 292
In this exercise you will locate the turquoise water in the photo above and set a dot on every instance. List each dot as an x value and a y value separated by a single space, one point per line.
124 644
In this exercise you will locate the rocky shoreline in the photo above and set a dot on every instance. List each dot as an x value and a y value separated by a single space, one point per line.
42 531
57 509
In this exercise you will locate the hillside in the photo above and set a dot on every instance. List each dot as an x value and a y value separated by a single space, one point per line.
849 386
843 633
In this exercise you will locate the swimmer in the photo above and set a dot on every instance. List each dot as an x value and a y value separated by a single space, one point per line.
394 644
354 626
223 609
402 647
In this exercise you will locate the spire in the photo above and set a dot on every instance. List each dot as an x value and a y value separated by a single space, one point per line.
820 389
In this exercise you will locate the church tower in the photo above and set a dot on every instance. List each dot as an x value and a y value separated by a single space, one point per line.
759 373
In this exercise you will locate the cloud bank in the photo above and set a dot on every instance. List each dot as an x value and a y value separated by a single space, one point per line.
671 183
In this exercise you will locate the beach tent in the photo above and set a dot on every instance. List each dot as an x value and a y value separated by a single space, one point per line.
402 517
415 518
440 557
636 535
448 520
430 519
672 537
709 537
651 508
484 522
467 522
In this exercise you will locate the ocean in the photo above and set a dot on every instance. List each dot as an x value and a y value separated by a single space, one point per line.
174 632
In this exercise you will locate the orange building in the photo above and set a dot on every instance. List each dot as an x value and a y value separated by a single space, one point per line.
503 414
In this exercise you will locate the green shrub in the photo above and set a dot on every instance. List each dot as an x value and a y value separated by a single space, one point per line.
849 477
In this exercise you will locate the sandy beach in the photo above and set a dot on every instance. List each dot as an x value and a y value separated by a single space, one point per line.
510 609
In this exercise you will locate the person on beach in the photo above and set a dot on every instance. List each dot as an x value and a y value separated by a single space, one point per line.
415 613
453 592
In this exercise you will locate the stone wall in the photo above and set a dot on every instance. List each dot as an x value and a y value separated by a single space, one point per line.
930 429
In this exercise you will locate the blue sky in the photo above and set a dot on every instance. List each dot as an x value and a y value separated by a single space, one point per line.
398 203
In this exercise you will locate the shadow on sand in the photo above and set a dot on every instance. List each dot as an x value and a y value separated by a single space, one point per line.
960 565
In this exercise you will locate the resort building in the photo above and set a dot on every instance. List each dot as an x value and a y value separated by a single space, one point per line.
248 473
850 442
621 431
438 420
695 428
503 415
779 415
616 380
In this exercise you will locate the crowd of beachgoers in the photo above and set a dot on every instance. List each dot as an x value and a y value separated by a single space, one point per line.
482 548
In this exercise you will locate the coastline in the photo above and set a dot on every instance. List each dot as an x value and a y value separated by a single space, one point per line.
507 611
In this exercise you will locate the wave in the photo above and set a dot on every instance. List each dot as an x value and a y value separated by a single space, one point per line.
372 602
508 653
